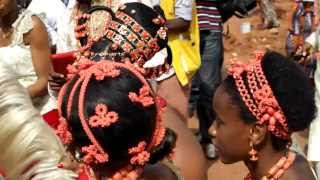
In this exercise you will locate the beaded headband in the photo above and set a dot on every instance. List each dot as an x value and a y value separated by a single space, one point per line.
130 39
105 117
124 35
258 96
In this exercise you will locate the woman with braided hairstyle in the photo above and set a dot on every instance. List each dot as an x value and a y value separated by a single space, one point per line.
261 105
136 35
111 122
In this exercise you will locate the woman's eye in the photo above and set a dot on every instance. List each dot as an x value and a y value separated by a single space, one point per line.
219 122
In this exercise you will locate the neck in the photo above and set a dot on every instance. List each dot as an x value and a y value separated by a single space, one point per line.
103 173
7 20
124 173
268 157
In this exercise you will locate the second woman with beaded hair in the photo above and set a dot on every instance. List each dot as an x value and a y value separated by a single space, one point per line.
260 105
150 66
111 122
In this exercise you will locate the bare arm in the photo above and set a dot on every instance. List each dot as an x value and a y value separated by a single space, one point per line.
183 14
40 52
177 25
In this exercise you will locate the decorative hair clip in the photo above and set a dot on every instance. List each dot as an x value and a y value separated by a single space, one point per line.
141 156
144 97
118 40
103 118
136 27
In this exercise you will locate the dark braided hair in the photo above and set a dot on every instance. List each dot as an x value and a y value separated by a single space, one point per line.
291 89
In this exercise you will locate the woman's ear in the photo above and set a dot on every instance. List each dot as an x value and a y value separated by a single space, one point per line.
258 133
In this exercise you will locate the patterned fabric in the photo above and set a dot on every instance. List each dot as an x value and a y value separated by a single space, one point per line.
209 17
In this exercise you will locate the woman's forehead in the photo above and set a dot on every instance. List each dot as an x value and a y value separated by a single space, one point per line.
222 99
224 106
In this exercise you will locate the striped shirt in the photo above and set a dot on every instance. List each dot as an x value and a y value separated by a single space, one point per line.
209 17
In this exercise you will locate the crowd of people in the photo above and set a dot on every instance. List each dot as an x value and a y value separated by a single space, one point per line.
103 89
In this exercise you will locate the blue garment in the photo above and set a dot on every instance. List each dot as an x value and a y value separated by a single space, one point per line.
208 79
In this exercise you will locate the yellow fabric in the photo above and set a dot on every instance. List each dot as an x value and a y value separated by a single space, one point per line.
185 46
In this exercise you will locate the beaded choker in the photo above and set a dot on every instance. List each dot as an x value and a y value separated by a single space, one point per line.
278 169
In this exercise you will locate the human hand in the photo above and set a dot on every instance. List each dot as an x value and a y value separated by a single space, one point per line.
56 81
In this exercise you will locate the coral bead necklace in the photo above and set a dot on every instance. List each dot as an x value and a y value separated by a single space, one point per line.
278 169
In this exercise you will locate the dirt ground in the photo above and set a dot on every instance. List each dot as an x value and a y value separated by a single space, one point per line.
241 46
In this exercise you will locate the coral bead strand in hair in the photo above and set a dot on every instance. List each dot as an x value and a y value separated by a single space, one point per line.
103 118
96 148
70 100
262 102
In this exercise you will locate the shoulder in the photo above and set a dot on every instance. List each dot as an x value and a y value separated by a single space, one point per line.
157 172
37 32
27 21
37 22
300 170
38 29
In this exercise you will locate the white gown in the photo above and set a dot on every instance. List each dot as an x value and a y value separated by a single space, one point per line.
17 56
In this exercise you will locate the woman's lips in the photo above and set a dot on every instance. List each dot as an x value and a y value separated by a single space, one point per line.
218 151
